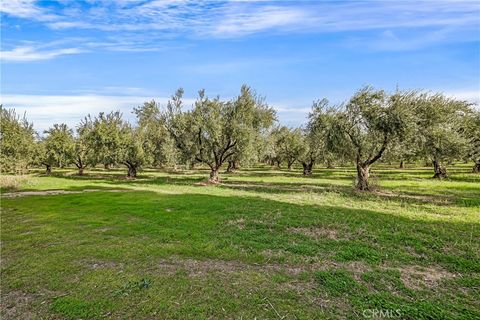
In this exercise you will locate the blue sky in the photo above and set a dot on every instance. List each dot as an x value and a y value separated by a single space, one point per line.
63 59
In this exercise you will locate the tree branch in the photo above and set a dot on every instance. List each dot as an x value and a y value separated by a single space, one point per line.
380 152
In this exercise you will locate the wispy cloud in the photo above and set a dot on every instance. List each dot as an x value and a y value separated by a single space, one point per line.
148 25
239 18
252 20
26 9
27 51
31 53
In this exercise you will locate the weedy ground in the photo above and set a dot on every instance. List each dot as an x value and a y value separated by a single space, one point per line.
264 244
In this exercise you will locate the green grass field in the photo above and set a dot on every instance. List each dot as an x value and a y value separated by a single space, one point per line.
264 244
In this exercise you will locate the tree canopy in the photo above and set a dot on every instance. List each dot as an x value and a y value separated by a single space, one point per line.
17 140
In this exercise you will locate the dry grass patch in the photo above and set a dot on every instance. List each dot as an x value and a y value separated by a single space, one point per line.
317 232
418 277
239 223
12 183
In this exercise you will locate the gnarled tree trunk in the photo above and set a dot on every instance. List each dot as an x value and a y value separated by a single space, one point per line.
439 169
307 168
132 169
363 173
232 166
476 167
132 172
213 175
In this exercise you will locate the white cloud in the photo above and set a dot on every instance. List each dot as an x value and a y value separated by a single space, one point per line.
31 53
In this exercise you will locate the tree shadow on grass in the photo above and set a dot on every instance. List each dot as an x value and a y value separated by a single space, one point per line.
466 196
368 235
139 229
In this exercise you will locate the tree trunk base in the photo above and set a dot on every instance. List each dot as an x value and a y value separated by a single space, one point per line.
363 173
132 173
307 168
213 179
440 171
48 170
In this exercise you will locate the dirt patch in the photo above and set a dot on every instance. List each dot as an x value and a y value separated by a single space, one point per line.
317 232
418 277
10 195
16 304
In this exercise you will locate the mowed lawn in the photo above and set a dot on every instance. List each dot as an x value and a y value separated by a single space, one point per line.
264 244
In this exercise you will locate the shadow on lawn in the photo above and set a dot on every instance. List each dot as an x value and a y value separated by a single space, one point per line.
203 226
467 196
139 229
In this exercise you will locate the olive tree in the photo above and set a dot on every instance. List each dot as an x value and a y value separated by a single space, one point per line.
367 125
290 144
57 147
440 122
105 137
271 152
472 135
318 139
132 149
83 152
158 142
220 129
253 117
17 140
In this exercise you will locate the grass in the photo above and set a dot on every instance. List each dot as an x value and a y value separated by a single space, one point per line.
264 243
